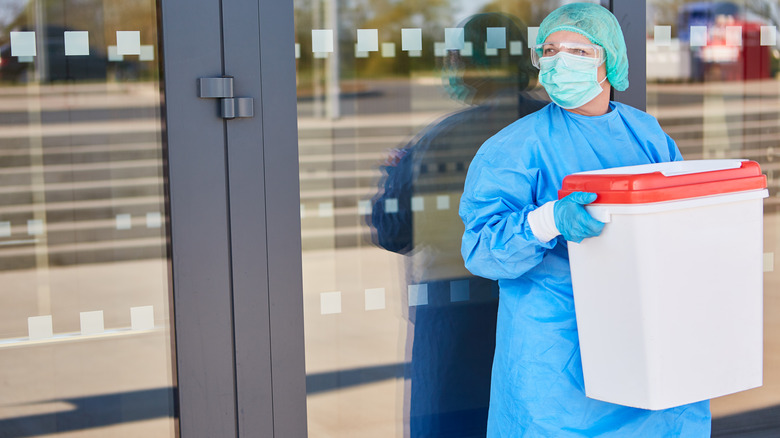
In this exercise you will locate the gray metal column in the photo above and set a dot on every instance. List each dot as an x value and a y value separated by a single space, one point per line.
265 220
632 17
248 211
280 144
200 246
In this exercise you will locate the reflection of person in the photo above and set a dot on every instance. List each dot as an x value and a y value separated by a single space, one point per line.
516 232
450 341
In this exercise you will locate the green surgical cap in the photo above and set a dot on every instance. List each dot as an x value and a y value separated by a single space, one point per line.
600 27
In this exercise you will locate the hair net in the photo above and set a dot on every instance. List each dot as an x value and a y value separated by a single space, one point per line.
600 27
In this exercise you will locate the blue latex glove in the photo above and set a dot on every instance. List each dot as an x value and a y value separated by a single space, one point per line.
573 221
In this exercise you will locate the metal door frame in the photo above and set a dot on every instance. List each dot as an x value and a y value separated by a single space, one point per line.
631 15
235 246
200 247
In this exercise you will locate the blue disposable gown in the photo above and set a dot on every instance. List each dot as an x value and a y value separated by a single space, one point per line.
537 387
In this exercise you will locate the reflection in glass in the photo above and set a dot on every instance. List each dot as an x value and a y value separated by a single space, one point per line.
85 339
450 338
394 99
712 84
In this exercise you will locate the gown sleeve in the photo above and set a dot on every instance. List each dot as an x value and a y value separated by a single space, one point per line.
498 242
674 151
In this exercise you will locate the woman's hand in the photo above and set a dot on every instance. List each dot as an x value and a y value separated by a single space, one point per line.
573 221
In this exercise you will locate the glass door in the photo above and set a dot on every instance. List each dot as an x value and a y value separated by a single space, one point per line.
394 99
113 201
86 333
137 273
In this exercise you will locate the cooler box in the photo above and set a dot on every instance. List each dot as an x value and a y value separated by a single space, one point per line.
669 297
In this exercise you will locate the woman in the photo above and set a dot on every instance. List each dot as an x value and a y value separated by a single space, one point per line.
516 232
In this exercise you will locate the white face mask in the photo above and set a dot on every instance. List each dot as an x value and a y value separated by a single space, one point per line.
570 80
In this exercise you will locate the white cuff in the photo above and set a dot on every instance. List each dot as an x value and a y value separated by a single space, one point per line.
542 222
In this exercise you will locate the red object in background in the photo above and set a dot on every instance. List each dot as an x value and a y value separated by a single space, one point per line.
748 60
754 58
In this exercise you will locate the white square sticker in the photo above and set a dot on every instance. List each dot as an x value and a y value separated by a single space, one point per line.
411 39
113 54
23 44
418 203
698 36
128 42
360 53
734 36
330 303
768 35
489 51
468 49
142 318
418 294
124 222
5 229
375 299
388 50
322 40
662 35
532 34
39 327
153 220
91 322
367 40
454 38
439 50
77 43
515 48
391 205
364 207
147 53
326 209
496 38
35 227
443 202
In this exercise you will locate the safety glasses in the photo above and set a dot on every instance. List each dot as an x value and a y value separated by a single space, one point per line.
544 50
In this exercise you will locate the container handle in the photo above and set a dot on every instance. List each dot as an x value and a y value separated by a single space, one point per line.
699 166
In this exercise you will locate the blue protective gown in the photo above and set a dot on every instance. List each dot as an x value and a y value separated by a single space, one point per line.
537 387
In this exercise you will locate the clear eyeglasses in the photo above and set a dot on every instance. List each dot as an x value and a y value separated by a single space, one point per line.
585 50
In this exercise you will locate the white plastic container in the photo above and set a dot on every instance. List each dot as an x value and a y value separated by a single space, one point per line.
669 298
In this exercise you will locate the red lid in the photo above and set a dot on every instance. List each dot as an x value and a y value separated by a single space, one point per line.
666 181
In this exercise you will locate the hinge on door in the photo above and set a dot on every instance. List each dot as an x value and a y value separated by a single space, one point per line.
222 88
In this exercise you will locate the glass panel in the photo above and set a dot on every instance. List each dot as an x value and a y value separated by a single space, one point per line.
85 331
712 82
394 99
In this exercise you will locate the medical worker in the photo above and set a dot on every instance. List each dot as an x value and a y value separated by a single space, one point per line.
516 232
